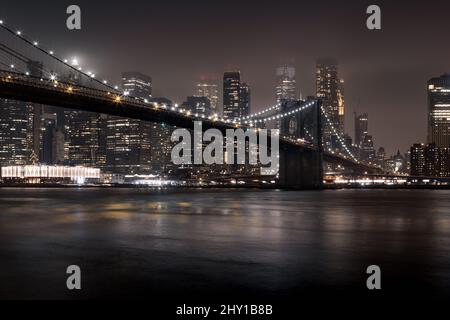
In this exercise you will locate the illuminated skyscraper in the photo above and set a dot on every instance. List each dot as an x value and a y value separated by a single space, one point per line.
231 95
367 152
200 105
361 128
286 84
439 111
211 92
341 104
16 131
85 139
128 140
245 100
160 144
137 85
236 96
430 161
327 89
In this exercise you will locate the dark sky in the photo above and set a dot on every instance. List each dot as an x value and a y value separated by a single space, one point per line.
178 42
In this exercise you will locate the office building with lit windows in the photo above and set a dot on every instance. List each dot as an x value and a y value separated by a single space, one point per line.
245 100
439 111
327 90
236 96
286 87
85 139
16 132
128 141
361 128
198 105
341 106
231 94
160 142
137 85
210 91
428 160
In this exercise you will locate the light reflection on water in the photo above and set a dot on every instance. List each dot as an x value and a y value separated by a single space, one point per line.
269 242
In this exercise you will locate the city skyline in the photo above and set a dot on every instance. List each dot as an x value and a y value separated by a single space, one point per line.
195 152
370 62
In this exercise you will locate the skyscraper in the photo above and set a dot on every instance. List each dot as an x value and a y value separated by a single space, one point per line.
327 89
160 143
85 139
286 83
341 105
231 94
16 131
137 85
361 128
200 105
236 96
129 140
245 100
439 111
34 68
367 149
210 91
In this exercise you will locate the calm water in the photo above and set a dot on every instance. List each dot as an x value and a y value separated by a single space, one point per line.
216 243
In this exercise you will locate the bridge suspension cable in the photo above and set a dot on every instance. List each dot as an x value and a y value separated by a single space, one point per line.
283 115
50 57
341 140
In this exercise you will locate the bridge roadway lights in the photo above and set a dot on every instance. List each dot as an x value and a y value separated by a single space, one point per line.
300 169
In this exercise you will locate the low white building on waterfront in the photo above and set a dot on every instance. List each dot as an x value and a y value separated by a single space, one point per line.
50 174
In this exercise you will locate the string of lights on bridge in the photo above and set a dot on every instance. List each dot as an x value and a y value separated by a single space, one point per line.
73 66
281 116
51 53
341 140
251 119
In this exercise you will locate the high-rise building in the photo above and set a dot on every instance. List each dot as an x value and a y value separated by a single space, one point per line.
236 96
160 143
137 85
200 105
286 83
210 91
396 164
439 111
245 100
341 104
16 132
327 89
367 152
430 161
381 157
85 143
231 95
52 140
34 68
128 141
361 128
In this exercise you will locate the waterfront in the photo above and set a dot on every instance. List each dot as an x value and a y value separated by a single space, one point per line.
217 244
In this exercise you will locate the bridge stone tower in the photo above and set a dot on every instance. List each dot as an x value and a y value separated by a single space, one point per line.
302 168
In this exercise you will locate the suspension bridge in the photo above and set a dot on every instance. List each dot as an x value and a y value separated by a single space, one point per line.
30 73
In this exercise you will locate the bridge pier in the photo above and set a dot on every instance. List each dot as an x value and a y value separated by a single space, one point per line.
300 169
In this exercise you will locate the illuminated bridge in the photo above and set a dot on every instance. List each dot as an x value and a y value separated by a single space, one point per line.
31 74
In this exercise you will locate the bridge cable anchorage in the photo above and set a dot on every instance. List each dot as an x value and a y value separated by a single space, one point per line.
51 54
341 140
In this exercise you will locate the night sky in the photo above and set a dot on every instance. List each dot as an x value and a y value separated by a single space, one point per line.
179 42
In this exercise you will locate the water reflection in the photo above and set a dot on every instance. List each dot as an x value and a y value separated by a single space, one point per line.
200 242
